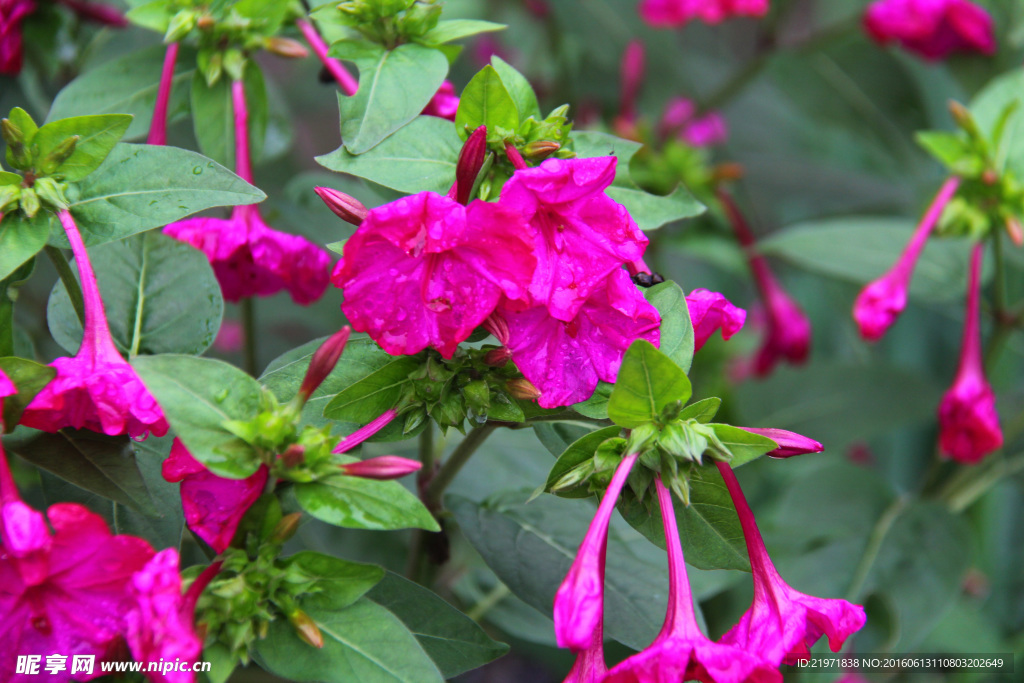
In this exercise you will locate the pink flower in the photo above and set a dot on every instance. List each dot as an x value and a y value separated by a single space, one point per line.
230 337
7 387
968 422
782 623
426 271
881 302
565 360
790 443
213 505
631 74
679 120
589 666
96 11
444 103
582 235
382 467
349 442
96 389
671 13
159 622
681 652
932 28
12 13
579 602
710 312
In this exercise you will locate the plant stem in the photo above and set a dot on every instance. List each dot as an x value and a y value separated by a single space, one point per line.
459 457
249 332
488 602
878 534
971 484
427 456
67 276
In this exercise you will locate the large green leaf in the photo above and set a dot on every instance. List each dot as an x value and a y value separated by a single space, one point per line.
394 87
97 136
359 503
744 446
486 101
346 581
648 381
518 88
29 378
454 29
160 296
362 642
140 187
213 115
127 85
21 238
419 157
596 407
988 107
373 394
651 211
455 642
578 452
677 340
198 395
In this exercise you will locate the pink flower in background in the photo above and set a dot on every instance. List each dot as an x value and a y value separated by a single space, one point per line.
444 104
96 11
631 76
12 13
7 388
96 389
680 120
681 652
710 312
882 301
565 360
933 29
671 13
783 623
230 337
968 422
213 505
582 235
426 271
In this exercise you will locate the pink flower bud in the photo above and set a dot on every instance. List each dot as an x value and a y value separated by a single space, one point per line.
98 12
522 389
293 456
323 362
631 71
382 467
497 357
346 207
790 443
286 47
515 157
471 160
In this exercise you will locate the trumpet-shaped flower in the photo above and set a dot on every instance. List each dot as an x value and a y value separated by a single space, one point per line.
933 29
670 13
426 271
710 312
582 235
782 623
96 389
12 13
565 360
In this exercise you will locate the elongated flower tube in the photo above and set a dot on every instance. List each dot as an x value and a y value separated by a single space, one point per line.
631 77
347 82
346 207
968 422
96 389
589 666
790 443
881 302
158 127
349 442
382 467
789 331
782 623
681 652
933 29
323 361
579 602
672 13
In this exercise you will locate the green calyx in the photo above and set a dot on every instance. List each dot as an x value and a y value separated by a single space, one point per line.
390 22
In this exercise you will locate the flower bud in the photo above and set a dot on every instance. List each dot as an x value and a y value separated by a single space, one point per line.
347 208
180 26
286 47
1015 230
323 362
15 139
962 117
29 202
98 12
471 160
790 443
286 527
574 477
515 157
306 628
50 192
539 149
497 357
382 467
205 22
9 195
293 456
522 389
61 153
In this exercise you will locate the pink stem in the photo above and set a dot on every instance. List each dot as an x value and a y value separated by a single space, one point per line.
767 285
96 333
349 442
515 157
188 605
243 163
680 618
638 266
8 489
158 128
928 222
759 561
340 73
970 353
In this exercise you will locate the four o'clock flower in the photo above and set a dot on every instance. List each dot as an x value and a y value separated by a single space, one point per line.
782 621
444 104
710 312
933 29
881 302
671 13
382 467
631 74
968 422
790 443
96 389
681 652
680 120
12 13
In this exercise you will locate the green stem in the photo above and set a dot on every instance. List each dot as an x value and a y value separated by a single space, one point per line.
249 332
487 603
67 276
459 457
878 534
971 484
427 456
6 322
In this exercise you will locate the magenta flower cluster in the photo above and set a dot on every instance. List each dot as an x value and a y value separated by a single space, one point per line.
933 29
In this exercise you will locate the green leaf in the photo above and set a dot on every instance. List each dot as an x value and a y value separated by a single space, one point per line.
345 581
140 187
518 88
372 395
651 211
744 446
29 378
362 642
859 249
359 503
455 642
198 395
988 108
456 29
702 411
648 381
104 465
677 339
21 238
419 157
579 451
160 296
596 407
592 143
127 85
709 527
394 87
953 150
155 15
213 115
99 134
486 102
557 436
